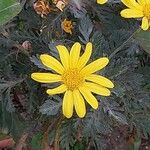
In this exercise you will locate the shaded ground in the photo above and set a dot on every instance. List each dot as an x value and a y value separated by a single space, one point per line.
119 139
122 139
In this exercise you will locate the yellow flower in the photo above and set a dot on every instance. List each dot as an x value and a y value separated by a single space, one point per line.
138 9
101 1
67 26
76 79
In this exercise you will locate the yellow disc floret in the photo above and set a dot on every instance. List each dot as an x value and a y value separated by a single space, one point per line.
146 11
72 78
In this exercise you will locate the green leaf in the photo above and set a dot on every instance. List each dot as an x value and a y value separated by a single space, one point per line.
143 37
79 146
36 141
8 10
50 107
85 28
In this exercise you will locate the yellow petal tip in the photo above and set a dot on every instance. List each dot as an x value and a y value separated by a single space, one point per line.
58 46
68 117
47 91
81 116
89 43
96 106
106 59
33 76
101 2
112 85
77 44
42 56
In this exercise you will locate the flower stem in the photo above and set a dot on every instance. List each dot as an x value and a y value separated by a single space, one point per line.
121 46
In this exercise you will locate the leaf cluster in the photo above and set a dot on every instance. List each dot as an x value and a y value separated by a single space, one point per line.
23 102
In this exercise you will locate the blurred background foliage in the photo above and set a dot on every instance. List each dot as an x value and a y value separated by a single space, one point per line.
35 120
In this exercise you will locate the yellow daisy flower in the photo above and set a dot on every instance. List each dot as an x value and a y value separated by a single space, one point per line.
101 1
76 79
138 9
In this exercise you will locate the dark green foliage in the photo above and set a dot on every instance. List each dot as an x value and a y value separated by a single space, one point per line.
112 36
36 141
67 135
85 28
51 107
143 38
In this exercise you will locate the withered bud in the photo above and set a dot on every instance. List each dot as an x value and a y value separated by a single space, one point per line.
27 45
42 7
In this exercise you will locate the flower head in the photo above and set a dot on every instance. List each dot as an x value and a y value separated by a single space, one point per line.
138 9
67 26
101 1
77 80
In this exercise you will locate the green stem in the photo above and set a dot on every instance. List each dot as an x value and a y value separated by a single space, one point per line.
121 46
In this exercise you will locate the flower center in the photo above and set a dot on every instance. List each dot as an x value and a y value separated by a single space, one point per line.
146 11
72 78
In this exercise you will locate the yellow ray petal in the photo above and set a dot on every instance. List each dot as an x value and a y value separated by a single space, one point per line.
46 77
101 1
60 89
141 2
86 56
132 4
131 13
100 80
89 96
97 89
67 106
64 55
79 104
52 63
75 54
145 24
147 1
95 66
